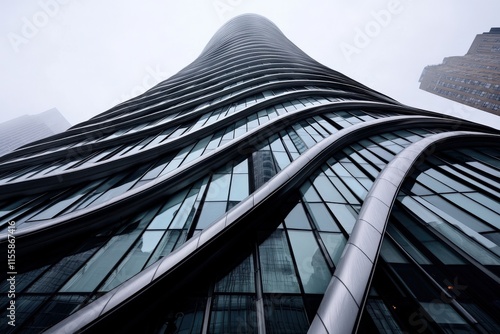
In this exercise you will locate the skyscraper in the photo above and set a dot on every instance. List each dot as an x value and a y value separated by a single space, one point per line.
473 79
29 128
255 191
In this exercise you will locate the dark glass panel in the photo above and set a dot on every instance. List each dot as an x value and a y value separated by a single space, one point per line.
240 279
285 315
457 212
55 310
382 317
134 261
233 314
277 270
185 318
25 307
97 268
53 278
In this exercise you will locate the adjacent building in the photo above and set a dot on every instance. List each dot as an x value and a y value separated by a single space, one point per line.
29 128
255 191
473 79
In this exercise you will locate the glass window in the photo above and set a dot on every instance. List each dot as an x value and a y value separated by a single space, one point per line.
156 170
433 184
135 259
475 208
353 169
239 187
311 264
166 245
322 217
445 315
484 168
346 192
436 247
381 317
390 253
458 186
385 155
120 187
197 149
357 188
407 245
232 314
297 218
241 168
277 270
326 189
52 279
185 213
209 213
285 315
345 214
299 144
185 318
55 310
282 159
335 244
457 213
485 200
164 217
472 248
240 279
62 203
219 188
98 267
309 193
276 145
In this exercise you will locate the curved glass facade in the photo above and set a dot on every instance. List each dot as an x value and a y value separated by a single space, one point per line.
255 191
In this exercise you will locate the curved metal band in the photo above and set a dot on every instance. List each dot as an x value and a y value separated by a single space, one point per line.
343 302
217 235
194 169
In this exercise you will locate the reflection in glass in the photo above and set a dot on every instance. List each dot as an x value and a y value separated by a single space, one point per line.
233 314
240 279
277 270
311 264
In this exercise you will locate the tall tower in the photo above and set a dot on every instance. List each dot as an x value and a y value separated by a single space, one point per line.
255 191
473 79
28 128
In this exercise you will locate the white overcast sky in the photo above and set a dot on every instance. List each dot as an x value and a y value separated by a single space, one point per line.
84 56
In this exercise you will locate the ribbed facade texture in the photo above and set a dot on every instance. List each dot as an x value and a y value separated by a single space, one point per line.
256 191
473 79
